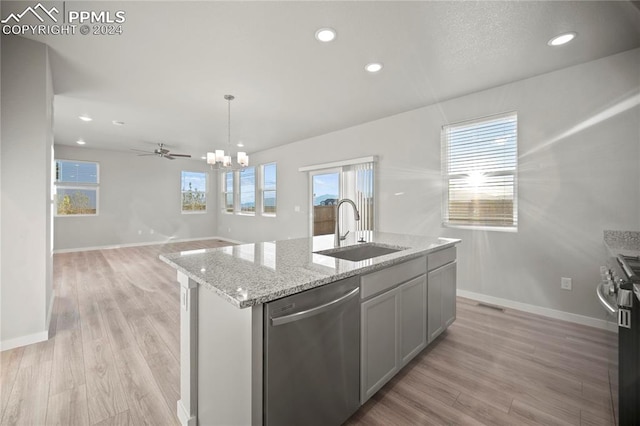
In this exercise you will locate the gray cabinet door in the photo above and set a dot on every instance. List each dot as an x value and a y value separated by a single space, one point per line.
434 302
413 318
441 299
379 342
448 294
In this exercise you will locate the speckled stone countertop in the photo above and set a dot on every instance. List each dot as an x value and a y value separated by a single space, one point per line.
251 274
626 243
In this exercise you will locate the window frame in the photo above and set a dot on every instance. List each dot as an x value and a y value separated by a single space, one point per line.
75 185
240 211
263 191
224 191
182 191
446 176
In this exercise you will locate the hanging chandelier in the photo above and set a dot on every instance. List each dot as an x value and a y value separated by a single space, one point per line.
219 156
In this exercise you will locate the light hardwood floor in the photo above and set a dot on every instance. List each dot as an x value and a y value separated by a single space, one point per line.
113 358
501 368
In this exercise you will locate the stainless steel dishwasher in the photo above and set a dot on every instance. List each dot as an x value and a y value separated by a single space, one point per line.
312 356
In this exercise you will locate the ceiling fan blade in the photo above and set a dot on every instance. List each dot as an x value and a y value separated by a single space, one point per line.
168 157
181 155
139 150
163 150
144 155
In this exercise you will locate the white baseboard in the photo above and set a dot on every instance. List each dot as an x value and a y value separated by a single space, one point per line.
149 243
31 338
24 340
539 310
50 312
184 417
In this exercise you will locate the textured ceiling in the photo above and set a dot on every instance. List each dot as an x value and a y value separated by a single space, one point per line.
166 75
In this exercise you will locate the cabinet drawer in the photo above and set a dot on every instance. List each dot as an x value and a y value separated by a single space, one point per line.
379 281
442 257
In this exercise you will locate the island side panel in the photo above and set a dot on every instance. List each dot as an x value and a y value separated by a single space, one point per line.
187 405
229 362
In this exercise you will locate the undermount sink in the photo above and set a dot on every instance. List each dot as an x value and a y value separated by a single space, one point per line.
360 252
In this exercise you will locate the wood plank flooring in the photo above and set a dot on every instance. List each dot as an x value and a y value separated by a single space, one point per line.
506 367
113 358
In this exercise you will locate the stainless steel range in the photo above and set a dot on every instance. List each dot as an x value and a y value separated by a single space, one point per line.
619 293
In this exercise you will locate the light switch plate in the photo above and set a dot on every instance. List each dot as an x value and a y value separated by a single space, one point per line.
565 283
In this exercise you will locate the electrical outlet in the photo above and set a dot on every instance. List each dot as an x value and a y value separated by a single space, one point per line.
565 283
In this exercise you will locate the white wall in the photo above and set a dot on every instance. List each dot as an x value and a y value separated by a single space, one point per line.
139 202
579 144
27 141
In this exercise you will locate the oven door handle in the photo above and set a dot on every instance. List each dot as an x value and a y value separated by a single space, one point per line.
603 299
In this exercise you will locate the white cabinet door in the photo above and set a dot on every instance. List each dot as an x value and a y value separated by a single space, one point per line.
379 342
441 299
413 318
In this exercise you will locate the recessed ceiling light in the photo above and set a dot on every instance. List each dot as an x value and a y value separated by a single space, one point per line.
204 158
80 142
562 39
325 35
240 144
373 67
118 123
85 118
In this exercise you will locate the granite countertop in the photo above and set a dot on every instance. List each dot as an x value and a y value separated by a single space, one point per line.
251 274
626 243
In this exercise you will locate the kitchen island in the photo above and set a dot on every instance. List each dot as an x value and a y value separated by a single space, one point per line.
223 292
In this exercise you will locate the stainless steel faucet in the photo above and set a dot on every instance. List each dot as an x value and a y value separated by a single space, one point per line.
356 216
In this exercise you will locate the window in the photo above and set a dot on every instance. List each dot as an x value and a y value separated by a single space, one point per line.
479 165
76 188
194 192
248 190
269 189
227 191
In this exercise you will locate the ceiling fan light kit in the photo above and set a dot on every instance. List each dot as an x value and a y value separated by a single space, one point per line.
218 156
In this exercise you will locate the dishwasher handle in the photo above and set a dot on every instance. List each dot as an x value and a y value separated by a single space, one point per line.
314 311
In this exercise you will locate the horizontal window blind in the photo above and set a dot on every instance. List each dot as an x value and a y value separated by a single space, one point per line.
479 169
77 172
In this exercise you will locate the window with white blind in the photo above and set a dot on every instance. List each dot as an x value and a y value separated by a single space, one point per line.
248 190
479 166
268 181
228 191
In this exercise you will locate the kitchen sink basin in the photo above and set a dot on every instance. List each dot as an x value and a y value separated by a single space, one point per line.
360 252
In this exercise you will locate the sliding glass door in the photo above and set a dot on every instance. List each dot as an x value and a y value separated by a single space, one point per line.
328 186
325 190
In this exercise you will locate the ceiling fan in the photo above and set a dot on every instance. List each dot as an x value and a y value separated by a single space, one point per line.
161 151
